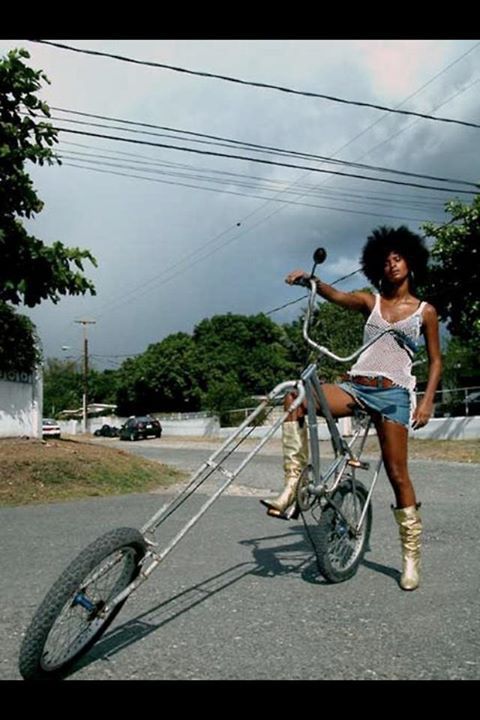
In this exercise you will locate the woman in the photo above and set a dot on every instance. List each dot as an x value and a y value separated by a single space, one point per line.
380 381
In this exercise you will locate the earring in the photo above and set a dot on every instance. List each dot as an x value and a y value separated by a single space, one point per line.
412 276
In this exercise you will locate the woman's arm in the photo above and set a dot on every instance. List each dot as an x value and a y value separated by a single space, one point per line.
424 409
357 300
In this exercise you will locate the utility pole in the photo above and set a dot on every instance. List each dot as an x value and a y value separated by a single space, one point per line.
85 369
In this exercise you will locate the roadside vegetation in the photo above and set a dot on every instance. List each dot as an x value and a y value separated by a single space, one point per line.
35 471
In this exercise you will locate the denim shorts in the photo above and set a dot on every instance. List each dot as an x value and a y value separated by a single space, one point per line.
393 403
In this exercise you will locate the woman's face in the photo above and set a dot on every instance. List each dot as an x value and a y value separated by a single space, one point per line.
395 269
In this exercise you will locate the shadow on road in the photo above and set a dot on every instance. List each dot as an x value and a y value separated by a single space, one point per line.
272 556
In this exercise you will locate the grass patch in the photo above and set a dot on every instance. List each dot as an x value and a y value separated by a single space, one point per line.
465 451
35 471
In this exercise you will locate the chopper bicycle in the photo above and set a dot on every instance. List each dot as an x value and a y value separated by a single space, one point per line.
334 504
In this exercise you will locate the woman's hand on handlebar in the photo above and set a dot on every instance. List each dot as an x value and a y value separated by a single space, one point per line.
298 277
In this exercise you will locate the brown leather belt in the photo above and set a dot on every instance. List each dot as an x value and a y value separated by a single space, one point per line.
379 381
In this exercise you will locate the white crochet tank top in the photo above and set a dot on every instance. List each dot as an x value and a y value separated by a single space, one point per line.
388 357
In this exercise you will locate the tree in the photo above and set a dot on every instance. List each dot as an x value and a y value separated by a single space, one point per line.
228 359
30 270
249 350
224 395
460 364
454 284
19 350
102 386
62 386
163 378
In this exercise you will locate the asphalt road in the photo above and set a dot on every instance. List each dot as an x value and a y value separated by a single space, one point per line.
240 596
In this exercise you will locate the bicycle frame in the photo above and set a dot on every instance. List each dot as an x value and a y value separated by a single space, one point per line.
83 601
308 387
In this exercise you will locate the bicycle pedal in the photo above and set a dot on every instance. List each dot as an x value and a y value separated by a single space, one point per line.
292 513
360 464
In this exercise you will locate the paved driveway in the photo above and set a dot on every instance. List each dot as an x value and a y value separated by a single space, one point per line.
240 597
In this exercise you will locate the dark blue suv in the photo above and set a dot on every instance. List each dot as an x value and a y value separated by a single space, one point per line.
139 427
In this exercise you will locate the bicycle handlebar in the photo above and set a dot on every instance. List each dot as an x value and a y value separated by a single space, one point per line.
311 282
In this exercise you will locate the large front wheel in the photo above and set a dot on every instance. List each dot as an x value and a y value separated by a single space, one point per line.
338 541
71 618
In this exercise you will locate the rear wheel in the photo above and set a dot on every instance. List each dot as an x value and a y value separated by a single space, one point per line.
338 546
71 617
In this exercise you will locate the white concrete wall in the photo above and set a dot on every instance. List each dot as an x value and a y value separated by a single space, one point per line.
199 427
449 428
21 405
458 428
196 427
262 430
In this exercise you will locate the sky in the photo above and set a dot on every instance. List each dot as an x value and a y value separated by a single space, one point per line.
182 236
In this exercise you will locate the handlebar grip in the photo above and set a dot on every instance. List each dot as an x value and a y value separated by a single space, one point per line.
303 281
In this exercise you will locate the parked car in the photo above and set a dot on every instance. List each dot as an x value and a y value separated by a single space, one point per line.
473 402
140 427
107 431
50 428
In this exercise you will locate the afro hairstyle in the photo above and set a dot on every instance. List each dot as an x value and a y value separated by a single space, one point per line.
401 240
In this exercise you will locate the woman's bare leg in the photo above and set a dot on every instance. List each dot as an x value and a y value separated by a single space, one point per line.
295 444
394 443
393 438
341 404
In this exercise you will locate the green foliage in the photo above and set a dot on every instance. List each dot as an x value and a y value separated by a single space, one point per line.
30 271
225 394
102 386
246 352
454 284
460 364
228 359
63 386
19 349
163 378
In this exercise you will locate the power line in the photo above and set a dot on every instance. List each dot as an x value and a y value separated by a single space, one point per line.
268 149
264 184
280 88
414 122
149 160
306 173
276 210
274 162
293 302
362 132
239 194
409 97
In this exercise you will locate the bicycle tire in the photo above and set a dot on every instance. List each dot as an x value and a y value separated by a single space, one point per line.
339 552
68 603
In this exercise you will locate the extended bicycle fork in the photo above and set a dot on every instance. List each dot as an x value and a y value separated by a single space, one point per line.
213 465
307 386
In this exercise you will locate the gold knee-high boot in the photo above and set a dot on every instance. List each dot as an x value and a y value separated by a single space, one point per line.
295 459
410 526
